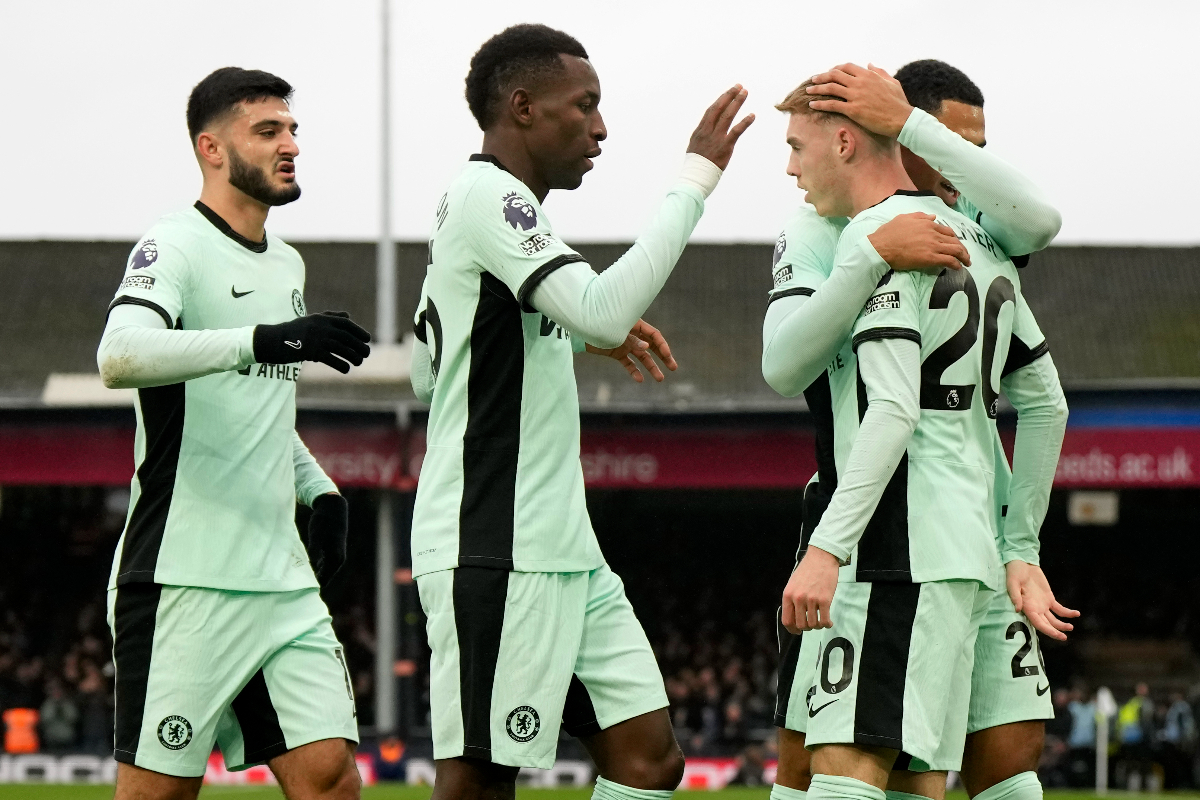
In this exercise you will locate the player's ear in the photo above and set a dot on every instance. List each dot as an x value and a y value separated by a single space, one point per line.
520 106
208 150
844 143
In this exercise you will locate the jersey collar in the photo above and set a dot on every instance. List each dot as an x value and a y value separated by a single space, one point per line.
223 227
491 159
904 193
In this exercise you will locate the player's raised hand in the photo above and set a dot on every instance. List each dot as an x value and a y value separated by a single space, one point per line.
869 96
918 241
809 592
1031 595
330 337
641 342
713 138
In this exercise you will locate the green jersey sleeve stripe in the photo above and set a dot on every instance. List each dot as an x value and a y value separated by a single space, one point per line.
419 329
1021 355
793 292
139 301
539 275
885 333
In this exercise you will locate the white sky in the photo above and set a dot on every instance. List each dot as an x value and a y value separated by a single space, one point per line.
1095 100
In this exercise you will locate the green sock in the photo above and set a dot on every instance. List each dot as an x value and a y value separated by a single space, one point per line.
607 790
835 787
893 795
1025 786
787 793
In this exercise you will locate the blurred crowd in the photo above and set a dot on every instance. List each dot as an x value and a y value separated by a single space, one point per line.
1152 740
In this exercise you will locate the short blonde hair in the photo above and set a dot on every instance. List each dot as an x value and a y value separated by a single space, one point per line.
797 102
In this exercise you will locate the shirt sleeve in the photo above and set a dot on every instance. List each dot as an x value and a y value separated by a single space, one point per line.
808 314
892 311
601 309
1035 392
157 276
512 237
421 373
1012 208
311 480
891 373
138 351
1028 343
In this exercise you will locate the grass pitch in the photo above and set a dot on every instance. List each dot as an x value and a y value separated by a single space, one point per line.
402 792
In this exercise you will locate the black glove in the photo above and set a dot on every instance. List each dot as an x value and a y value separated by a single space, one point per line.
326 539
328 337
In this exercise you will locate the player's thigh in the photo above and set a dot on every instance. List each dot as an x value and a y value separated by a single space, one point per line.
794 769
615 675
473 779
503 648
301 694
930 784
883 679
135 783
1008 678
996 754
181 655
323 769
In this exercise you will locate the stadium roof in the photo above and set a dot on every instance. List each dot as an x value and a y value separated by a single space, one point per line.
1114 317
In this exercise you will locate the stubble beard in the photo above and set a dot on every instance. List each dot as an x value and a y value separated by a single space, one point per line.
253 181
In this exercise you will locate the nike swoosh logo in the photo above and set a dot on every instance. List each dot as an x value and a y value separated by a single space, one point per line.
812 712
236 294
294 345
1041 690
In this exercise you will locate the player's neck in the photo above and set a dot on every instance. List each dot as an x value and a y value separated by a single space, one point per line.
247 216
510 151
876 181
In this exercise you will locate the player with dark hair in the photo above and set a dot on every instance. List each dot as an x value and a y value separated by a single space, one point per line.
528 626
803 329
219 631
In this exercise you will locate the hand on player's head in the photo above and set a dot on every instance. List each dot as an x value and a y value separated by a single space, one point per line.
918 241
869 96
714 138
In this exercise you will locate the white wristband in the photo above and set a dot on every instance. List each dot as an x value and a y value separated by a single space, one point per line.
699 172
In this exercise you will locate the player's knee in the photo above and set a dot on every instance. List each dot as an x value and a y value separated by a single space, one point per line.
646 772
345 784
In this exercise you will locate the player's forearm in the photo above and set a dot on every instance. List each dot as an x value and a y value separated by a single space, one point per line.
801 335
420 372
602 308
311 480
1041 407
137 351
890 370
1015 210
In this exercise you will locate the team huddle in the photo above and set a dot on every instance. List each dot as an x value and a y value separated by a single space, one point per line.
908 628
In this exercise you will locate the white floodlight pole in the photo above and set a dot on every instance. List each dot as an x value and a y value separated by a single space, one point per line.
385 260
385 334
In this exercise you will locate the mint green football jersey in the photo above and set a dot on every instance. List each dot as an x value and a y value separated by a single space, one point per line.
213 498
937 517
804 251
501 485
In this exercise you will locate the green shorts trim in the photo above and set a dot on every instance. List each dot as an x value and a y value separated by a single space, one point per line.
257 673
517 654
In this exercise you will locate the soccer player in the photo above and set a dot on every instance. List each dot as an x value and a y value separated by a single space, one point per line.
1009 699
528 627
1003 748
912 521
219 630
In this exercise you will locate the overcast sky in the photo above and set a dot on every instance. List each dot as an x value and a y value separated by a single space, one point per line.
1095 100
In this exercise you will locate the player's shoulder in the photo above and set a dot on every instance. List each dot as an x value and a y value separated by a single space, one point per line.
486 188
280 246
177 233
